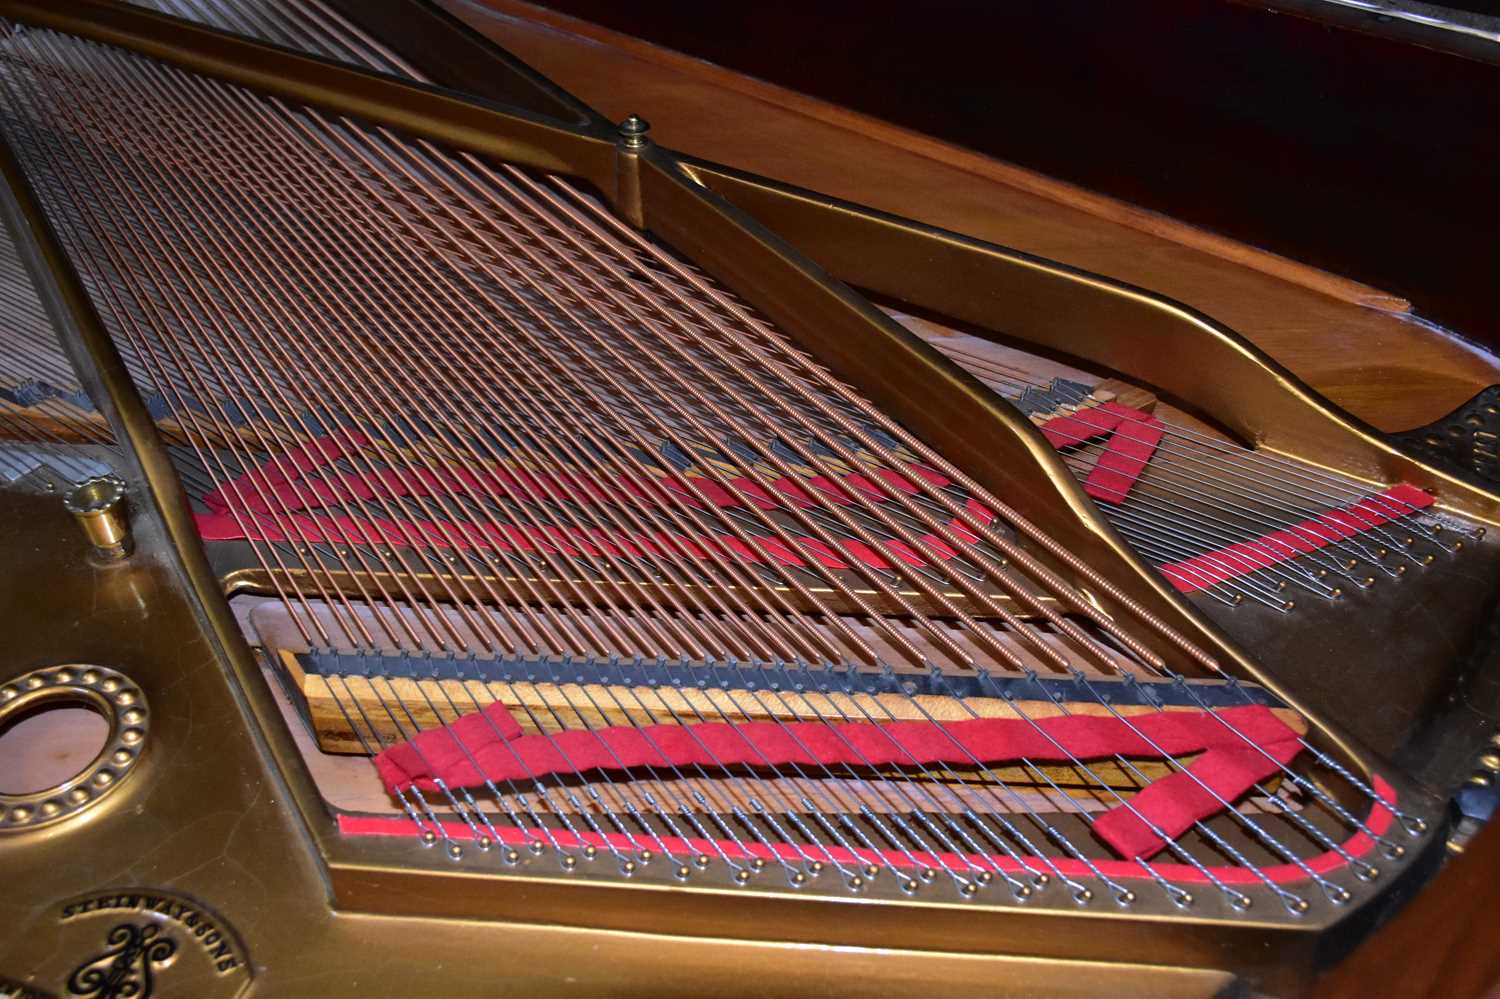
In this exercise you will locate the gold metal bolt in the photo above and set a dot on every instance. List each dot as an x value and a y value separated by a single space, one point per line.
98 504
633 132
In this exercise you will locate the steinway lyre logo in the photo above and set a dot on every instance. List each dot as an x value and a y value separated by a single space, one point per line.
127 968
154 941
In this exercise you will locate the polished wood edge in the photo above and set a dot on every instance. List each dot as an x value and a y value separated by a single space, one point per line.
1435 945
1101 206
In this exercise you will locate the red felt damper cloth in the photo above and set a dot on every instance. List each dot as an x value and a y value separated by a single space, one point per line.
1133 437
1203 571
1236 747
279 489
1125 457
284 478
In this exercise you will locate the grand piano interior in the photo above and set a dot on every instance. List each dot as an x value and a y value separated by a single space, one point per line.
680 499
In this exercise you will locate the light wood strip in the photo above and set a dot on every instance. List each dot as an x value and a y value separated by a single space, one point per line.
395 707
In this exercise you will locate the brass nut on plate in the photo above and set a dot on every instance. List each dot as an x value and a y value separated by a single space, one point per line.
633 132
98 504
99 689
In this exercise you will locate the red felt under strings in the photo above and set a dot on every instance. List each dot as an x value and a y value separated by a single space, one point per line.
1205 570
265 504
1133 437
1236 748
1331 861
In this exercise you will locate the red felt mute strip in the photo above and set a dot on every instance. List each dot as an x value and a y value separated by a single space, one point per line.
1236 747
1331 861
523 484
282 486
1133 439
569 541
1203 571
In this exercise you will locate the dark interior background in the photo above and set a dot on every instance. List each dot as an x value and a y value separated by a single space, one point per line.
1367 148
1490 7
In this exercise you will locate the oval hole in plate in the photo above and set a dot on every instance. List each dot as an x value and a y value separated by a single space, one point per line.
49 745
